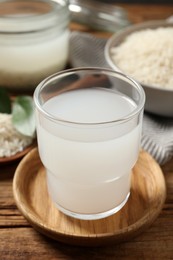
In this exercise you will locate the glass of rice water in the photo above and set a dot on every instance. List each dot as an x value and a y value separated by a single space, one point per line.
89 124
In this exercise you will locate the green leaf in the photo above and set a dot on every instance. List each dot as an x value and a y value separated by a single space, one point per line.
23 115
5 102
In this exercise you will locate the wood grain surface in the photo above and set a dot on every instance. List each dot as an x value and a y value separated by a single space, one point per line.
18 239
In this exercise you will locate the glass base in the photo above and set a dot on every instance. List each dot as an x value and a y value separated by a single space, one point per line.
93 216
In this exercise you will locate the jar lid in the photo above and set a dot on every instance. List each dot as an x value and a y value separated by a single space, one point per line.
18 16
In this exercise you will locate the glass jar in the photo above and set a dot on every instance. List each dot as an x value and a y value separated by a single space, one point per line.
34 41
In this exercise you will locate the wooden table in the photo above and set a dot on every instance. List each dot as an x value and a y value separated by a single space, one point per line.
18 240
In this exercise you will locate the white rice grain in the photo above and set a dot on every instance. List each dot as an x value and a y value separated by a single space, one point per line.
11 141
147 56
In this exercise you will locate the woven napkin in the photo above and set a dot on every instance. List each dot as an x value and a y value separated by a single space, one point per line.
87 50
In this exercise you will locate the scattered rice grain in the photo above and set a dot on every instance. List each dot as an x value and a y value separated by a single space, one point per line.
11 141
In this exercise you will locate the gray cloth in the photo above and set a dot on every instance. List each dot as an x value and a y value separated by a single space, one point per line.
87 50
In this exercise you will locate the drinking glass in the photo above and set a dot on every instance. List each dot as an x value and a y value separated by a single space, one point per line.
89 124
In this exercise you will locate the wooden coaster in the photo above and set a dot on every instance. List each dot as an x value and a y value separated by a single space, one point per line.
147 197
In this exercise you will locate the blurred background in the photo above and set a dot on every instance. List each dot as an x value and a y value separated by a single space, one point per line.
138 1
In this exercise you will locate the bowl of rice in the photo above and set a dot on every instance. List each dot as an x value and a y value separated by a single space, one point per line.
145 53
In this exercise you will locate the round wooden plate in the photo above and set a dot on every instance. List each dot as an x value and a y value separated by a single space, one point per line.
147 197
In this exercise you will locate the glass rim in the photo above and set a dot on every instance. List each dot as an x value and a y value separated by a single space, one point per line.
109 72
